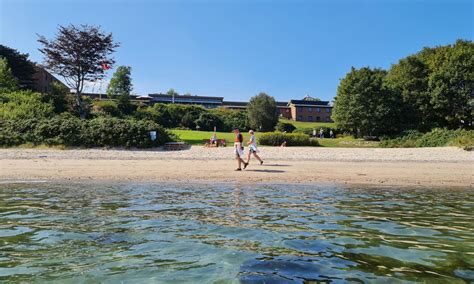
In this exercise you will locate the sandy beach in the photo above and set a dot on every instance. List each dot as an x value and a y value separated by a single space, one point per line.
428 167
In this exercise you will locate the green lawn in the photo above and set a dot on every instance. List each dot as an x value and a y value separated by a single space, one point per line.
194 137
302 124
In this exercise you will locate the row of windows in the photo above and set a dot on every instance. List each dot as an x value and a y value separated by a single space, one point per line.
310 118
310 109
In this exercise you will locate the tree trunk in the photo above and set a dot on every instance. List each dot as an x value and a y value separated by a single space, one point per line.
82 114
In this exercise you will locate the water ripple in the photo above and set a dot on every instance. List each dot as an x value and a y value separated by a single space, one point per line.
229 233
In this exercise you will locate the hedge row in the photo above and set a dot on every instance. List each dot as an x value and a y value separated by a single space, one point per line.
291 139
436 138
72 131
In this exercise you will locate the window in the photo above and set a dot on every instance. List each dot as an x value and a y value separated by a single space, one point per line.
318 118
300 117
310 118
328 119
310 109
318 109
287 110
328 110
300 109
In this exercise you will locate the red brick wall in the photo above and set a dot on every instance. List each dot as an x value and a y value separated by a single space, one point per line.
305 113
285 112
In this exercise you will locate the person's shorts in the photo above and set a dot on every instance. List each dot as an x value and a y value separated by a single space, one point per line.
239 152
253 149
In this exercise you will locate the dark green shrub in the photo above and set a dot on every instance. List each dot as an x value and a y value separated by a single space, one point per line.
207 121
232 119
24 129
8 138
106 108
71 131
59 131
292 139
285 127
435 138
114 132
441 137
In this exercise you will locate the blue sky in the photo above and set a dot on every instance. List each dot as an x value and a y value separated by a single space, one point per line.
236 49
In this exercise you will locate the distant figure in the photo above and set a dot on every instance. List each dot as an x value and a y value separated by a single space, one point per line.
283 144
252 143
239 149
331 134
314 132
321 133
213 140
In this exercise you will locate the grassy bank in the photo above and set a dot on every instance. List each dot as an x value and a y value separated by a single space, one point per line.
194 137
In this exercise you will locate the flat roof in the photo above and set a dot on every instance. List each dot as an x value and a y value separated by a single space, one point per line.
185 97
310 103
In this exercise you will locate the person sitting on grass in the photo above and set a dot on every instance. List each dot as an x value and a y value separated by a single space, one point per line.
213 140
252 143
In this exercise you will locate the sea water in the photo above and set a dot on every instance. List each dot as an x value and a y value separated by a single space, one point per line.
230 233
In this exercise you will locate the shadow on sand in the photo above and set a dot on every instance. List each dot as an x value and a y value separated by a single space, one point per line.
265 171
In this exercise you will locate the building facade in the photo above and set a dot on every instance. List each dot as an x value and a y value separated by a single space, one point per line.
310 110
205 101
283 108
307 109
43 80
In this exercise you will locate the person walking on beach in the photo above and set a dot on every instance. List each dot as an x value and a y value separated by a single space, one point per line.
239 149
252 143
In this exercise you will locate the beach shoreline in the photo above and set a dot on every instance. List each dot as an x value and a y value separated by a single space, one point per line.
414 167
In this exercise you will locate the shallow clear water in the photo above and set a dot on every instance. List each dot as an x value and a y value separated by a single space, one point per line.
148 233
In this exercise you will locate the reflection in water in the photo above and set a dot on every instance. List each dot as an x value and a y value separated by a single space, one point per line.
229 233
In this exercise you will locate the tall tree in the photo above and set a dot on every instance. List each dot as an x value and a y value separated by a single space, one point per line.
451 83
79 54
437 86
120 87
21 67
8 82
364 106
409 78
262 112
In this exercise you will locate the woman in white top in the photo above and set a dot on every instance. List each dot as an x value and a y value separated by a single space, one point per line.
252 143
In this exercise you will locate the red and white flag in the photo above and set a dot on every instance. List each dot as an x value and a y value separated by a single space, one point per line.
105 66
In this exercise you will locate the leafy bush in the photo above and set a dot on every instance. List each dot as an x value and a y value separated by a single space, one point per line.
106 108
23 105
292 139
436 138
114 132
207 121
406 140
442 137
72 131
59 97
285 127
232 119
59 131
